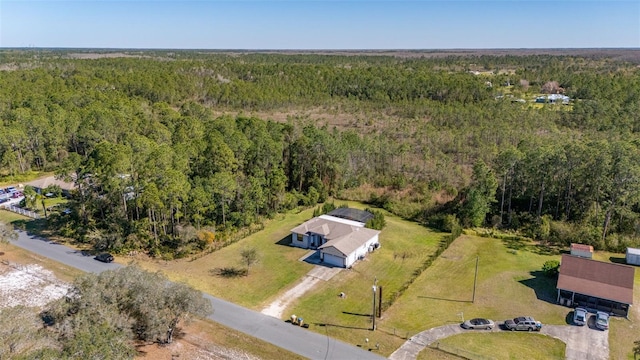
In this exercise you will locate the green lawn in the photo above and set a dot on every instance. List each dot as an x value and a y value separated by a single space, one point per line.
32 226
509 284
506 345
405 246
7 179
278 266
9 217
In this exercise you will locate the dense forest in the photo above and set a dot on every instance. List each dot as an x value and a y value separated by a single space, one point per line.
171 151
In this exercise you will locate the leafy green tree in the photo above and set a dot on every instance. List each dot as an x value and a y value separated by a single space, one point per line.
377 222
30 196
551 267
480 196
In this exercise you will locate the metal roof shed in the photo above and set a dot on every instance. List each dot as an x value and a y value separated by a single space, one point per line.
633 256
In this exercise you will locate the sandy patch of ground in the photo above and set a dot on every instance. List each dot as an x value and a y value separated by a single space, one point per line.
192 348
29 285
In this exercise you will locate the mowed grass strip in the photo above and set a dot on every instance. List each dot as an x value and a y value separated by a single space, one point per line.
623 332
506 345
510 284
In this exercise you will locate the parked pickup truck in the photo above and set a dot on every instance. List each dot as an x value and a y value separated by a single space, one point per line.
523 323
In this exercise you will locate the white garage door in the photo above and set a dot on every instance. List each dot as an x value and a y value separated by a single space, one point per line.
333 260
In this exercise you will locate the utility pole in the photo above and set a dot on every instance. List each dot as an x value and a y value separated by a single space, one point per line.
373 313
475 280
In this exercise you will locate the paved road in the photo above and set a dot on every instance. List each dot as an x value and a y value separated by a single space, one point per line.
275 331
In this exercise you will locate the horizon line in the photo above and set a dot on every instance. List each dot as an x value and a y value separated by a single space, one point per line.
309 50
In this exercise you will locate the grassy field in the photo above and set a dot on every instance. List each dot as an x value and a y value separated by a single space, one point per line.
207 332
506 345
9 217
7 179
623 332
437 354
405 246
37 227
278 266
509 284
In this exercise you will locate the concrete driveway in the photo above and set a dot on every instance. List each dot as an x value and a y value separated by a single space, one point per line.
583 342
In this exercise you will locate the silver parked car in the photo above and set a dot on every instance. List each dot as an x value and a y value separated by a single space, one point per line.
523 323
478 323
602 320
580 316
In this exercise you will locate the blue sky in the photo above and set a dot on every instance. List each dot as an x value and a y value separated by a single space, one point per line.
318 24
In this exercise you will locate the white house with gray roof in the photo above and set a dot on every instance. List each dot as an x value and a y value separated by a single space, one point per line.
339 242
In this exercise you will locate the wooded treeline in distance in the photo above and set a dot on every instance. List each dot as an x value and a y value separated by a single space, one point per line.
159 169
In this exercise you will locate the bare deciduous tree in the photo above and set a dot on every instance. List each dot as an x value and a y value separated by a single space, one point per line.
21 333
128 301
249 257
7 233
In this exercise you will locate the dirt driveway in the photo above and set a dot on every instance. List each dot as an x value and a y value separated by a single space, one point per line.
317 274
583 342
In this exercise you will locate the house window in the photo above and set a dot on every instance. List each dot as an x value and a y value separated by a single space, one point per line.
299 237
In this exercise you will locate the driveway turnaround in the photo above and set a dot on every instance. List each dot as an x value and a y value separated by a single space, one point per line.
412 347
277 332
582 342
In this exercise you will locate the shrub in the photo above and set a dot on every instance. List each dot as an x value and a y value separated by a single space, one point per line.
378 222
551 267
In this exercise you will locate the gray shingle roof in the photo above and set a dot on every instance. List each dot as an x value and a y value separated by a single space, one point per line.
352 214
343 237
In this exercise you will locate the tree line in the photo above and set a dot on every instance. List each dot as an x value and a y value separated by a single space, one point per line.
158 169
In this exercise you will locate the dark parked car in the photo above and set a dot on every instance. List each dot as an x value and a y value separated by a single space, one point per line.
523 323
478 323
104 257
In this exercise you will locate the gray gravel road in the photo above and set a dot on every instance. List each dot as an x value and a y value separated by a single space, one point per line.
275 331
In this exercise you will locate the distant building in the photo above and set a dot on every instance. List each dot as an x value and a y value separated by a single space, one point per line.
40 184
553 99
582 250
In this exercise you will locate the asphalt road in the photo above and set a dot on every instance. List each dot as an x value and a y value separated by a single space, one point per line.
275 331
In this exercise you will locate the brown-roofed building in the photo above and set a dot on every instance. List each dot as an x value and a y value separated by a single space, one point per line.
595 285
582 250
339 242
